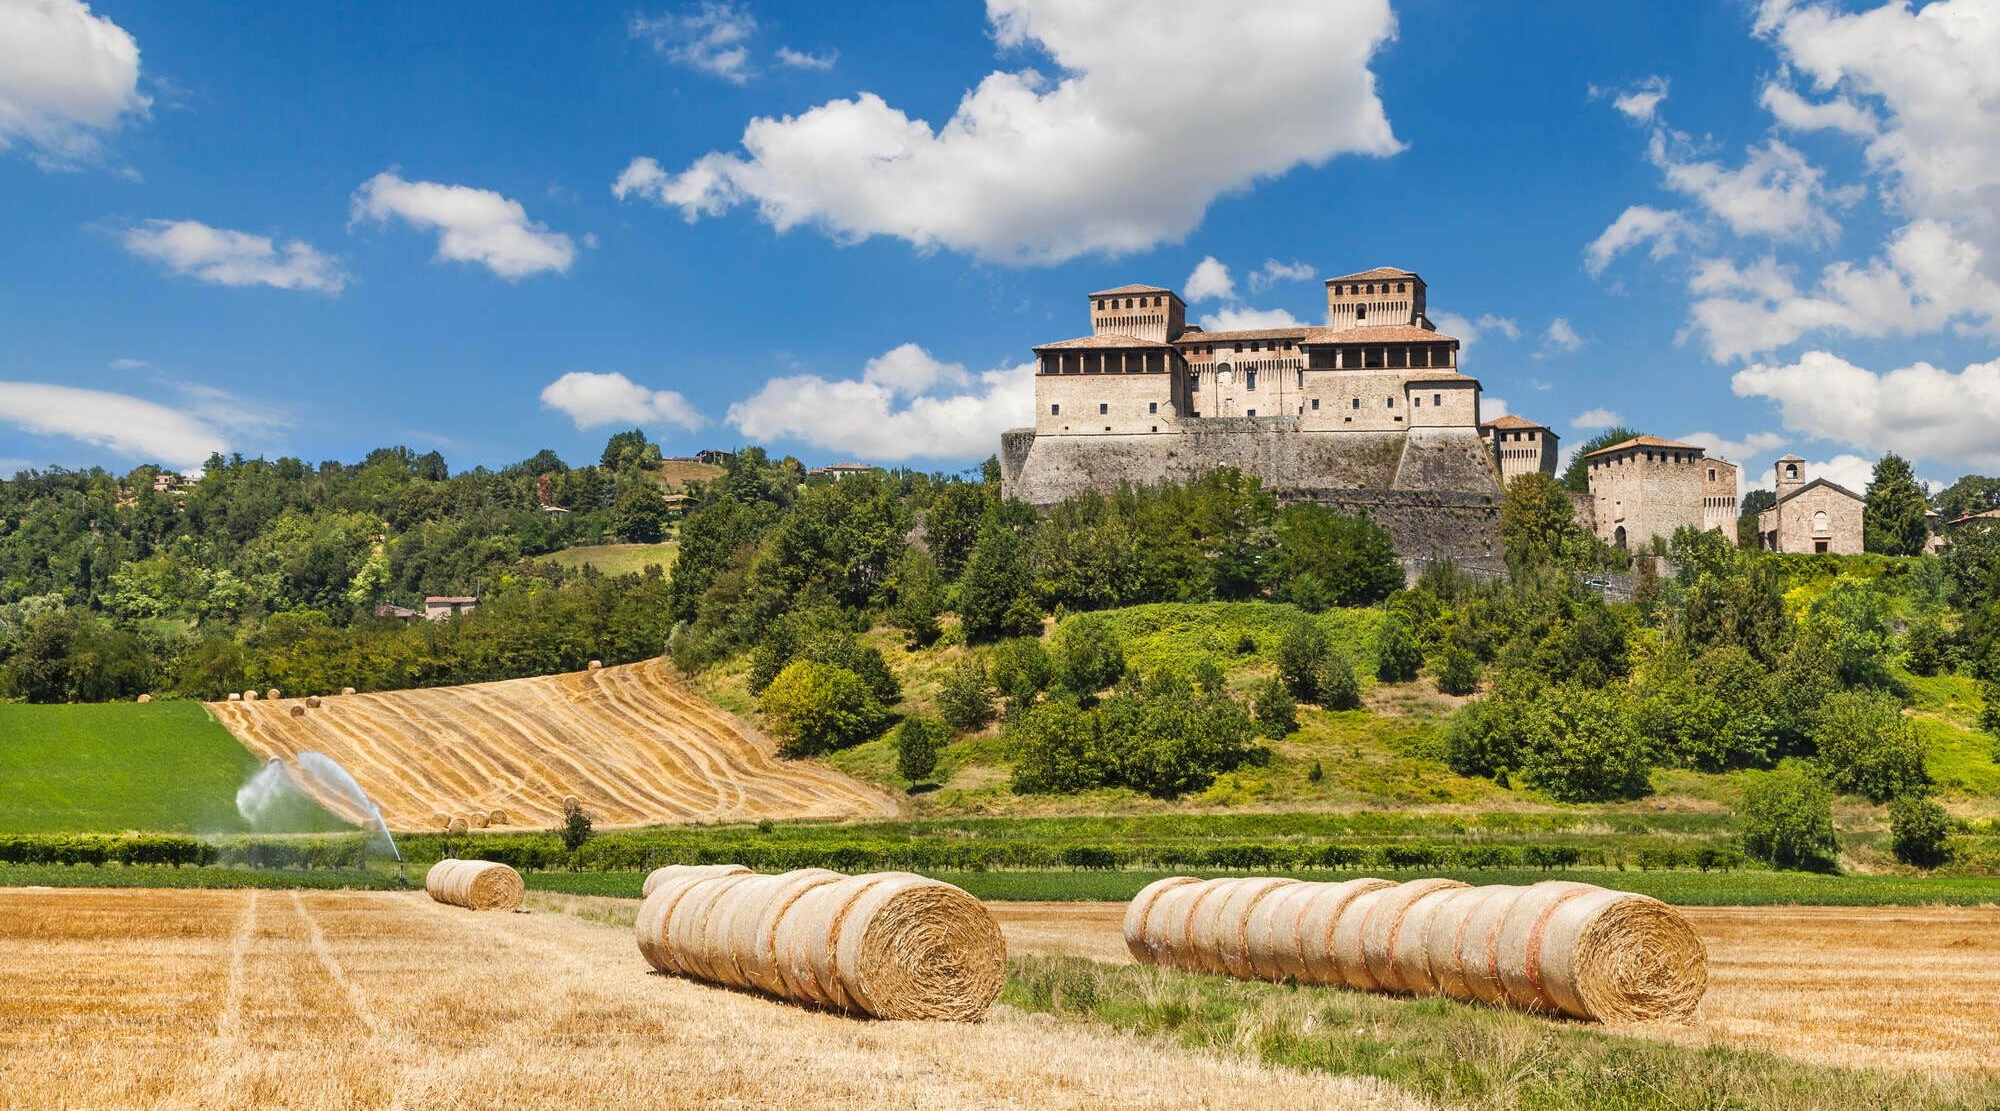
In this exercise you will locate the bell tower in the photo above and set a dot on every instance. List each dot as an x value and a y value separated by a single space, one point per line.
1384 295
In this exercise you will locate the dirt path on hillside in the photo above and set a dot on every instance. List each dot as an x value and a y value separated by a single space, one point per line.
1888 988
363 1000
634 745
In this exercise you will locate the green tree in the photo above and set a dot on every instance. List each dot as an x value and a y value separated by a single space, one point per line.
1866 747
1086 655
1577 475
1919 832
1302 656
1277 710
627 449
1056 751
1458 671
1748 535
1398 656
1538 521
919 741
1892 520
575 830
1323 557
1582 747
1971 494
1708 713
1338 688
1021 669
952 522
919 597
1989 706
640 517
994 596
1787 820
814 708
1927 648
965 697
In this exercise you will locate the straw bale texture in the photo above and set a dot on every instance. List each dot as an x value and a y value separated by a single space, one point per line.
298 711
235 697
1557 947
274 694
347 690
888 944
145 698
595 665
249 696
475 884
455 825
312 700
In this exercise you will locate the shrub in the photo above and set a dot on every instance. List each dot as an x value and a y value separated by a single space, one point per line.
1095 857
965 698
1302 654
1581 746
1317 774
1458 672
1397 654
575 830
918 742
1086 655
815 708
1919 832
1868 748
1338 688
1277 711
1485 737
1927 646
1020 668
1787 820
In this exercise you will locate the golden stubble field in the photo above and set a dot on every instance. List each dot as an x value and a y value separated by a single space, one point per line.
1890 988
635 746
365 1000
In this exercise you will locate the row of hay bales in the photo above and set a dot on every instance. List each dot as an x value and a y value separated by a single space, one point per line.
477 819
898 945
1558 947
272 695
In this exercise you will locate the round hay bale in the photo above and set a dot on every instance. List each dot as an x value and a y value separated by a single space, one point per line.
235 696
595 665
496 818
455 825
1271 933
273 694
312 700
1325 908
1399 959
1445 937
347 690
249 696
569 801
1383 928
889 944
144 698
298 711
658 876
1593 953
1140 932
475 884
479 819
441 819
1224 937
1478 946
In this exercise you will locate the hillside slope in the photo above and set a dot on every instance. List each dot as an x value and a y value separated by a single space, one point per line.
632 744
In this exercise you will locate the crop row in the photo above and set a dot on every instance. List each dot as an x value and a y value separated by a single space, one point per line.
175 851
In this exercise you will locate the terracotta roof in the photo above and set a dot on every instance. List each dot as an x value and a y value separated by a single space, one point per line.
1439 376
1378 272
1107 339
1296 332
1647 441
1796 491
1983 515
1378 333
1133 289
457 599
1510 422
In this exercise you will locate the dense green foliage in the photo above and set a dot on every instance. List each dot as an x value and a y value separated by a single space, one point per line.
1788 820
163 767
268 573
1920 832
815 707
1892 519
918 742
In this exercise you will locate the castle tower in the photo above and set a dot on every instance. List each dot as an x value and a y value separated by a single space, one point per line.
1372 298
1790 474
1145 312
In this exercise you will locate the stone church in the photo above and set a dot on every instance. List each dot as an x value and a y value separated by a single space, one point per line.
1810 516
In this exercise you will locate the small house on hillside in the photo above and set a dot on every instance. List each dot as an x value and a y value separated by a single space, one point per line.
438 607
394 612
715 457
839 471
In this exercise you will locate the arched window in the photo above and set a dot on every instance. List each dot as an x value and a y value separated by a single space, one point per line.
1361 312
1618 538
1820 520
1791 470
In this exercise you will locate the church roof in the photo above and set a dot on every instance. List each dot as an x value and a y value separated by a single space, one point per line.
1378 272
1297 331
1510 423
1103 340
1983 515
1834 486
1378 333
1647 441
1133 289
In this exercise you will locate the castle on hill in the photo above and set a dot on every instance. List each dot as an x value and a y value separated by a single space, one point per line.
1370 413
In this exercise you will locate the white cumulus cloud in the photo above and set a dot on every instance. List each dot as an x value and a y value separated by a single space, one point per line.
1273 272
907 404
1638 225
804 59
592 400
1639 102
1560 337
1039 168
1469 331
1234 318
190 248
1920 411
1736 451
473 225
141 430
711 37
67 76
1210 280
1591 419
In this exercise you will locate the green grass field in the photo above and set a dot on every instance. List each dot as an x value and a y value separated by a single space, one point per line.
163 767
619 559
375 878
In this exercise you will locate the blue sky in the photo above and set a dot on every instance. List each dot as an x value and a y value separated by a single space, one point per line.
491 228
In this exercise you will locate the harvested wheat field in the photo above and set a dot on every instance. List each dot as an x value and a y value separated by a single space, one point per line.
633 745
281 1000
1894 988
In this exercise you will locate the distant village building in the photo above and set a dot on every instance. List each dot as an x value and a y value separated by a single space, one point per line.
1810 516
839 471
394 612
1368 414
168 481
1519 447
715 457
437 607
1648 487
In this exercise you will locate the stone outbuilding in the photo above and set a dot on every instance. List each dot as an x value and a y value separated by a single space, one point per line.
1520 446
1815 516
1648 487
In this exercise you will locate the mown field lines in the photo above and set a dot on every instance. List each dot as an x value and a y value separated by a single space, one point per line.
631 743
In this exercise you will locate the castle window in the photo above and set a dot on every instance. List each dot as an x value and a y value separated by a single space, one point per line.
1791 470
1315 404
1239 349
1399 287
1357 403
1371 287
1711 474
1055 410
1417 401
1102 408
1302 380
1249 412
1390 402
1152 407
1249 379
1361 312
1437 399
